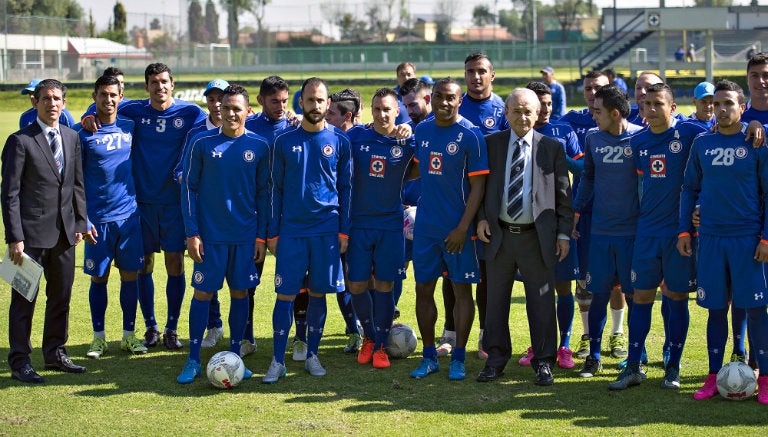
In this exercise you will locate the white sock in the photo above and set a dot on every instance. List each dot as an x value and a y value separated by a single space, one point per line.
617 316
585 321
127 333
449 334
100 334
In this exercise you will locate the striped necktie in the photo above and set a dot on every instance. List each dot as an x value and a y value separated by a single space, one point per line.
58 152
515 187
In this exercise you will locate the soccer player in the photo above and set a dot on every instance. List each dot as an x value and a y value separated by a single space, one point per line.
226 169
453 163
644 80
661 153
757 80
558 92
611 177
309 222
344 107
728 178
30 115
702 101
120 75
417 99
376 241
114 231
405 71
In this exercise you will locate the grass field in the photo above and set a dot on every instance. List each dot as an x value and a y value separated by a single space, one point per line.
124 395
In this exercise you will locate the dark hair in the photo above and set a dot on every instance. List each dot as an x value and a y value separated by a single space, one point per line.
413 85
313 81
662 88
346 101
271 85
383 92
477 56
614 98
47 84
610 72
445 81
233 90
594 74
540 88
157 68
113 71
402 65
758 59
727 85
106 80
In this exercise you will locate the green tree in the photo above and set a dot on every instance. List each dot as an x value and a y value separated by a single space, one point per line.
211 22
91 24
511 20
566 12
120 17
196 24
482 15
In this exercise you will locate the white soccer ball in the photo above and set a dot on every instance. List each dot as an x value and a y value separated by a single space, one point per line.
409 219
736 381
401 341
225 370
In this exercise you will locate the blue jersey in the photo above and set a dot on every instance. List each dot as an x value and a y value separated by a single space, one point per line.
265 126
706 125
225 188
158 143
611 176
379 166
661 160
311 183
110 193
200 127
565 134
486 114
30 115
754 114
728 178
447 157
581 122
558 100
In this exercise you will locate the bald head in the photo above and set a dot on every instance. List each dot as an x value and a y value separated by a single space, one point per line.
522 110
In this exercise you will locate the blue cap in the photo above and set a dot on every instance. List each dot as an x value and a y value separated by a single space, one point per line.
703 89
31 87
547 69
428 79
216 84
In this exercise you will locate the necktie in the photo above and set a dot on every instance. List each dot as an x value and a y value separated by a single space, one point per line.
515 187
58 152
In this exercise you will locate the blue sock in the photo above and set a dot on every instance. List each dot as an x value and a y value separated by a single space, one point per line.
174 292
364 309
597 314
758 336
248 335
639 326
97 296
665 318
316 312
238 317
679 318
459 354
397 290
214 313
565 309
430 352
147 299
198 318
717 336
383 312
739 326
129 294
281 327
347 311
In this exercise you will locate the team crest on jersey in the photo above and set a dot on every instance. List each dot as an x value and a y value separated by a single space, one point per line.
377 166
436 163
178 122
489 122
452 148
701 294
658 166
675 146
327 150
628 151
396 151
248 155
127 138
89 264
741 152
588 278
198 277
278 280
633 275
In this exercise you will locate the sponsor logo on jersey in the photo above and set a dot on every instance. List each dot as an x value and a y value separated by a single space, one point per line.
658 166
365 148
628 151
425 144
278 280
489 122
377 166
146 120
675 146
741 152
89 264
296 149
249 156
396 151
452 148
216 153
178 122
198 277
436 163
327 150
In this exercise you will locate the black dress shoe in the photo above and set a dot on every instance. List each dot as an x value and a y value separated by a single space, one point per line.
489 373
64 364
544 375
27 374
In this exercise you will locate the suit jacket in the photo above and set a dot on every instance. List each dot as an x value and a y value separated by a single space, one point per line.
551 191
38 203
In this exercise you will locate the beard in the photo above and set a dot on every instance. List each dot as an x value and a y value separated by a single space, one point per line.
314 117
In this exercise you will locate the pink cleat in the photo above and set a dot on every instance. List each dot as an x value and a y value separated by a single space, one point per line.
762 390
709 388
525 360
564 358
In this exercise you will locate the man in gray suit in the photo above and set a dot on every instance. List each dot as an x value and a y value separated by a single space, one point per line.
44 215
525 220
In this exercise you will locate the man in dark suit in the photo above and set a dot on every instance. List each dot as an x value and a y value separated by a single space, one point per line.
525 220
44 215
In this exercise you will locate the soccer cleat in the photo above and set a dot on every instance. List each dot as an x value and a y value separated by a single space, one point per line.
671 378
709 388
313 366
427 367
380 359
247 374
592 367
582 351
151 337
365 356
618 342
456 371
97 349
565 358
627 378
133 345
274 372
446 346
762 390
299 350
481 353
171 340
353 343
190 371
247 348
212 337
525 360
643 360
737 357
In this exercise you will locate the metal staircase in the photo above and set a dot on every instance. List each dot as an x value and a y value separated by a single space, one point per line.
619 43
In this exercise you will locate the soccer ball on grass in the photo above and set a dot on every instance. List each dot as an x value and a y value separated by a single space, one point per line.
401 341
225 370
736 381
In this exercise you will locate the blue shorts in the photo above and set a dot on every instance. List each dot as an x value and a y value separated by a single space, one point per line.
120 241
610 258
568 269
162 227
656 259
233 261
318 255
582 244
373 247
430 260
727 263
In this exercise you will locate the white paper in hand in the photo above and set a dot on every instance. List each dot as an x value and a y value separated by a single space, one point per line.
25 279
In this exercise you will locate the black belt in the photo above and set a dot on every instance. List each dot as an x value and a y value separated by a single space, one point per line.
516 228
